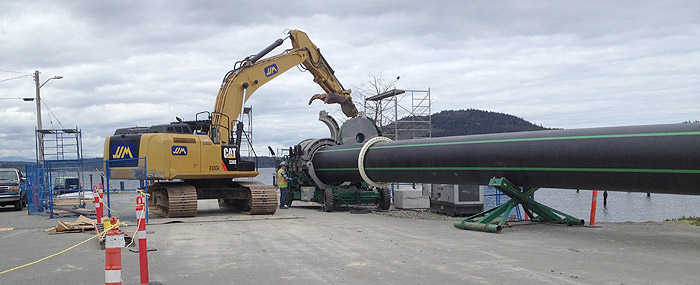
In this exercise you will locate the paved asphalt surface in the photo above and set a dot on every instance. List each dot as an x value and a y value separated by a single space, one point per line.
303 245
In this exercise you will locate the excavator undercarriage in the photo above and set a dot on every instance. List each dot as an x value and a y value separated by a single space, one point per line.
179 199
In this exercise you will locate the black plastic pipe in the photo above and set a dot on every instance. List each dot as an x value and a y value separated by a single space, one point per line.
655 159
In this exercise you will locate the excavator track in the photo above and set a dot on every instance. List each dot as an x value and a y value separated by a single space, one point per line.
173 200
263 198
260 199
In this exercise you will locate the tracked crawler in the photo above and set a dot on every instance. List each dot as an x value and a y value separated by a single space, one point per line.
201 159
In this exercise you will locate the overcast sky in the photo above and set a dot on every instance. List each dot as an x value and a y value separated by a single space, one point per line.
561 64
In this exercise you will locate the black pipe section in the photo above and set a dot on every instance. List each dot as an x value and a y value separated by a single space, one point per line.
656 158
268 49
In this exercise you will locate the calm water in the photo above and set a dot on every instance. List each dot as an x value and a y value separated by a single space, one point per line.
622 206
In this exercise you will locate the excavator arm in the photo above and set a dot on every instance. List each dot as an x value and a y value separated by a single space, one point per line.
251 73
324 75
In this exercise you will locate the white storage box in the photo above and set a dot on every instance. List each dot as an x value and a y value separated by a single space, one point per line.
411 199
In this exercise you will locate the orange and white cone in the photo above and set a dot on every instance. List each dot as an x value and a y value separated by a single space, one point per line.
114 241
98 204
141 234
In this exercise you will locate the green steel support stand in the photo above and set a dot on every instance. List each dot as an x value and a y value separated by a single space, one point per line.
517 196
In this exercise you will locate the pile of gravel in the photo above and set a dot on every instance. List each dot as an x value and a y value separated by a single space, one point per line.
419 214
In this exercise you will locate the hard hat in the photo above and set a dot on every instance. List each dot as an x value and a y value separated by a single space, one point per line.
282 164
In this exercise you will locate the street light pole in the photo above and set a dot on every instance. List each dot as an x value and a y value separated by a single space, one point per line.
40 136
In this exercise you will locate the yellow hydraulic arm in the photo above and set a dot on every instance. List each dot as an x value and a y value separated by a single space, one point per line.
252 72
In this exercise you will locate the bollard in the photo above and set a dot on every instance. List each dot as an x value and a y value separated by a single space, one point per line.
114 241
98 204
605 199
102 205
594 201
141 234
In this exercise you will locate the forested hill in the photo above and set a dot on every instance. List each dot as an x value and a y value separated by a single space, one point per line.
472 121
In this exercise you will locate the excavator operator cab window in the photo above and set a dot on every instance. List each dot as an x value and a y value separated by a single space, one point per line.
171 129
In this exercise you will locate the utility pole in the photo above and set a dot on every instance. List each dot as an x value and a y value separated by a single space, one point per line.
39 135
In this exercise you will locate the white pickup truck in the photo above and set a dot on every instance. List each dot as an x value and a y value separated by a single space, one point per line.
12 190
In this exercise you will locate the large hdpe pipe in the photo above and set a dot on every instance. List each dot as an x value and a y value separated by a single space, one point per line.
655 159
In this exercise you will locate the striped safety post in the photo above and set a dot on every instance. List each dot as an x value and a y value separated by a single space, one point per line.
594 202
98 204
114 241
141 234
102 205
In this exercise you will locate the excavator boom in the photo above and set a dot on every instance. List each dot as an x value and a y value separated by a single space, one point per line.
251 73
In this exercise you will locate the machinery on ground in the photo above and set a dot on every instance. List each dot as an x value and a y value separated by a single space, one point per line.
652 159
306 187
184 167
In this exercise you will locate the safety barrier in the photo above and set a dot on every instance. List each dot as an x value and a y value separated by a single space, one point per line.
141 236
97 194
66 188
114 241
594 202
62 188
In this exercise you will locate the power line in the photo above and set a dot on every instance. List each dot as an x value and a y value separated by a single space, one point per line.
54 115
18 77
18 72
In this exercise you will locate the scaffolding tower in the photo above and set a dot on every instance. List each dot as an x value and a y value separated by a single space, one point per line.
59 144
401 114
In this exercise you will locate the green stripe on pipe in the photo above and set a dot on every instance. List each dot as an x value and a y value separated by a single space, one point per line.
527 139
549 169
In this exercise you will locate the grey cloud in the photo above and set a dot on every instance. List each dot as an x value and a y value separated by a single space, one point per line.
560 64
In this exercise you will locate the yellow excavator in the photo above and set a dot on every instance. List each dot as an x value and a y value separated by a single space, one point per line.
189 160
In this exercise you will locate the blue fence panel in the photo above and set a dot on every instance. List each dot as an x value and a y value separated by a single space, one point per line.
65 188
37 192
123 186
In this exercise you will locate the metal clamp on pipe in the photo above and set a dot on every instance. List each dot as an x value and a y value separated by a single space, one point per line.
312 173
361 161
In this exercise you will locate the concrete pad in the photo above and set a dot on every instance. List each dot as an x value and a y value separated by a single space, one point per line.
342 247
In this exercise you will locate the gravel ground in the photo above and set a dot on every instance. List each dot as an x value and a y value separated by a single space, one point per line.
418 214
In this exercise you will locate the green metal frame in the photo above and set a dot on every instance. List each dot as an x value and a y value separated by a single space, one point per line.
361 197
517 197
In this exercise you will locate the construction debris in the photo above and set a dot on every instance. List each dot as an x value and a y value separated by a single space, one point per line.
71 211
80 225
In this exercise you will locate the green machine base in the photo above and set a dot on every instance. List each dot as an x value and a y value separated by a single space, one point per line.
517 196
